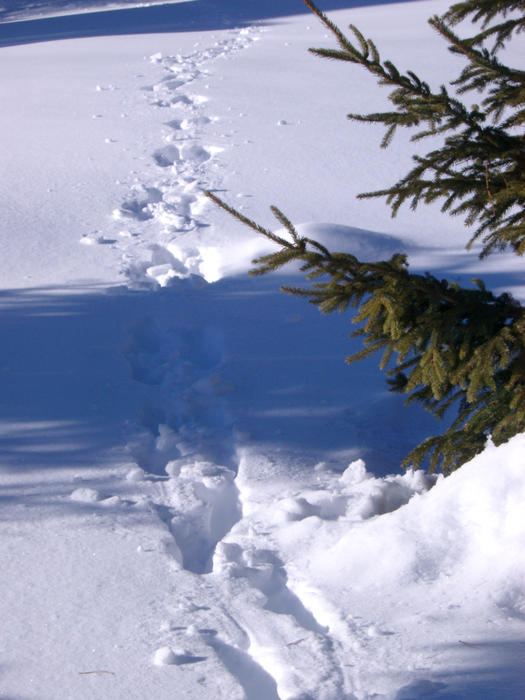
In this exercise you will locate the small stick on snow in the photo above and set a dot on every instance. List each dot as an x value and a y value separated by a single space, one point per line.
467 644
292 644
87 673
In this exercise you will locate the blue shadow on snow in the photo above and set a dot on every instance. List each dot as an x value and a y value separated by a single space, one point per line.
195 15
79 370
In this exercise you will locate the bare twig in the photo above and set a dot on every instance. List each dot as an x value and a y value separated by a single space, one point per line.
88 673
292 644
467 644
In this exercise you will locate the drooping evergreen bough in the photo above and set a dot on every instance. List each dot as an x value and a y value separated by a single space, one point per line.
442 344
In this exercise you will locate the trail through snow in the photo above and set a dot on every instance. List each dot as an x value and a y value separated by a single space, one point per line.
168 208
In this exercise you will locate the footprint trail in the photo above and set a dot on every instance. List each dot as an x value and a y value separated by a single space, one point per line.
161 210
245 613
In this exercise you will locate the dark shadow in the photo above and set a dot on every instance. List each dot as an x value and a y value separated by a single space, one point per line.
252 677
183 659
498 271
280 599
304 394
496 672
196 15
77 368
65 391
81 370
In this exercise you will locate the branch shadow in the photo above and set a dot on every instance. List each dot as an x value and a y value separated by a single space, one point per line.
500 271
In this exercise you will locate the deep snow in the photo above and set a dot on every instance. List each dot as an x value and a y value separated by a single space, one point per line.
199 498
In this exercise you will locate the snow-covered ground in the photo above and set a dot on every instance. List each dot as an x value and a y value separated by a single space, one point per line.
199 498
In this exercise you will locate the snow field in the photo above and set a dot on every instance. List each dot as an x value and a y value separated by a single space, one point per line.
212 512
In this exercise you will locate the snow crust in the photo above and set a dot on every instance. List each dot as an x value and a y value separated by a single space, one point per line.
198 496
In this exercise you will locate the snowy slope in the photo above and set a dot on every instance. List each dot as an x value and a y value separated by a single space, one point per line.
199 498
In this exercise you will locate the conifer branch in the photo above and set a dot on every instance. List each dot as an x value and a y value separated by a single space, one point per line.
248 222
484 11
441 344
473 152
446 345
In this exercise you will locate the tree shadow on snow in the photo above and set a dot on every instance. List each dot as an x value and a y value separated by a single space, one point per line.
196 15
64 388
494 673
79 371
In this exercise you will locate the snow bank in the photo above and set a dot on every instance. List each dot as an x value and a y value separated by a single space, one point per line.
469 529
391 565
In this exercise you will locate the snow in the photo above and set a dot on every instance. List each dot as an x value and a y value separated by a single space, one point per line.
13 10
199 498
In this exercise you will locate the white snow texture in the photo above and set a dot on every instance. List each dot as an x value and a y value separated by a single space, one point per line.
200 500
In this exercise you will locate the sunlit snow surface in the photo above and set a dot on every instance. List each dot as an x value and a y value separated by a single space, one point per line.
200 499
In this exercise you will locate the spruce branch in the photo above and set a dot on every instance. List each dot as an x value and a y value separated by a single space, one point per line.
442 345
484 11
245 220
473 152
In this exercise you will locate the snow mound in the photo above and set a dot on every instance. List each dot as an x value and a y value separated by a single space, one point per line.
213 263
366 245
381 565
468 524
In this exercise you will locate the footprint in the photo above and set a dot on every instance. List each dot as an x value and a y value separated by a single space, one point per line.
264 571
195 153
175 124
197 100
147 353
194 122
179 205
137 206
165 656
170 83
204 506
181 99
166 156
